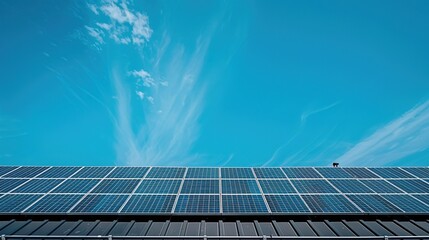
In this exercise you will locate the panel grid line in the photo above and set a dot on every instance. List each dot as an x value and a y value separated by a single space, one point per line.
135 189
262 193
296 190
178 192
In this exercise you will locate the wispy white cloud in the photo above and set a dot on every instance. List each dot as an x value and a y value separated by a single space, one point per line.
307 114
402 137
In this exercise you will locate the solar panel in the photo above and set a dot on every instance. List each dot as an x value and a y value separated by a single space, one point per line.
149 204
128 172
313 186
381 186
276 186
350 186
243 204
100 203
116 186
412 186
407 203
391 173
200 186
14 203
333 173
159 186
7 185
25 172
418 172
373 203
329 204
202 173
301 173
93 172
166 172
269 173
423 197
4 170
54 203
286 204
76 186
237 173
59 172
360 173
38 186
197 204
239 186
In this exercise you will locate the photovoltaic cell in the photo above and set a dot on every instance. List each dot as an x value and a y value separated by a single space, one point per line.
286 204
333 173
100 203
7 185
391 173
116 186
350 186
373 203
197 204
360 173
269 173
202 173
239 186
159 186
59 172
237 173
149 204
276 186
25 172
423 197
412 186
54 203
38 186
329 204
301 173
313 186
381 186
76 186
407 203
243 204
128 172
166 172
93 172
6 169
13 203
200 186
418 172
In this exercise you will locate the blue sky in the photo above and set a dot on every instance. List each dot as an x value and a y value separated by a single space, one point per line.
214 83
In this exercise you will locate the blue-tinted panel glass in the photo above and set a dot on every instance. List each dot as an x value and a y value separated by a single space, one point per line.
239 186
26 172
381 186
360 173
423 197
55 203
200 186
100 203
237 173
59 172
7 185
412 186
128 172
333 173
418 172
329 203
350 186
202 173
38 186
6 169
116 186
276 186
149 204
407 203
286 204
243 204
13 203
313 186
159 186
197 204
166 172
76 186
301 173
269 173
373 203
93 172
391 173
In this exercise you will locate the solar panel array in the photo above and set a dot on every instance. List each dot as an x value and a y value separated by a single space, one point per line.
177 190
